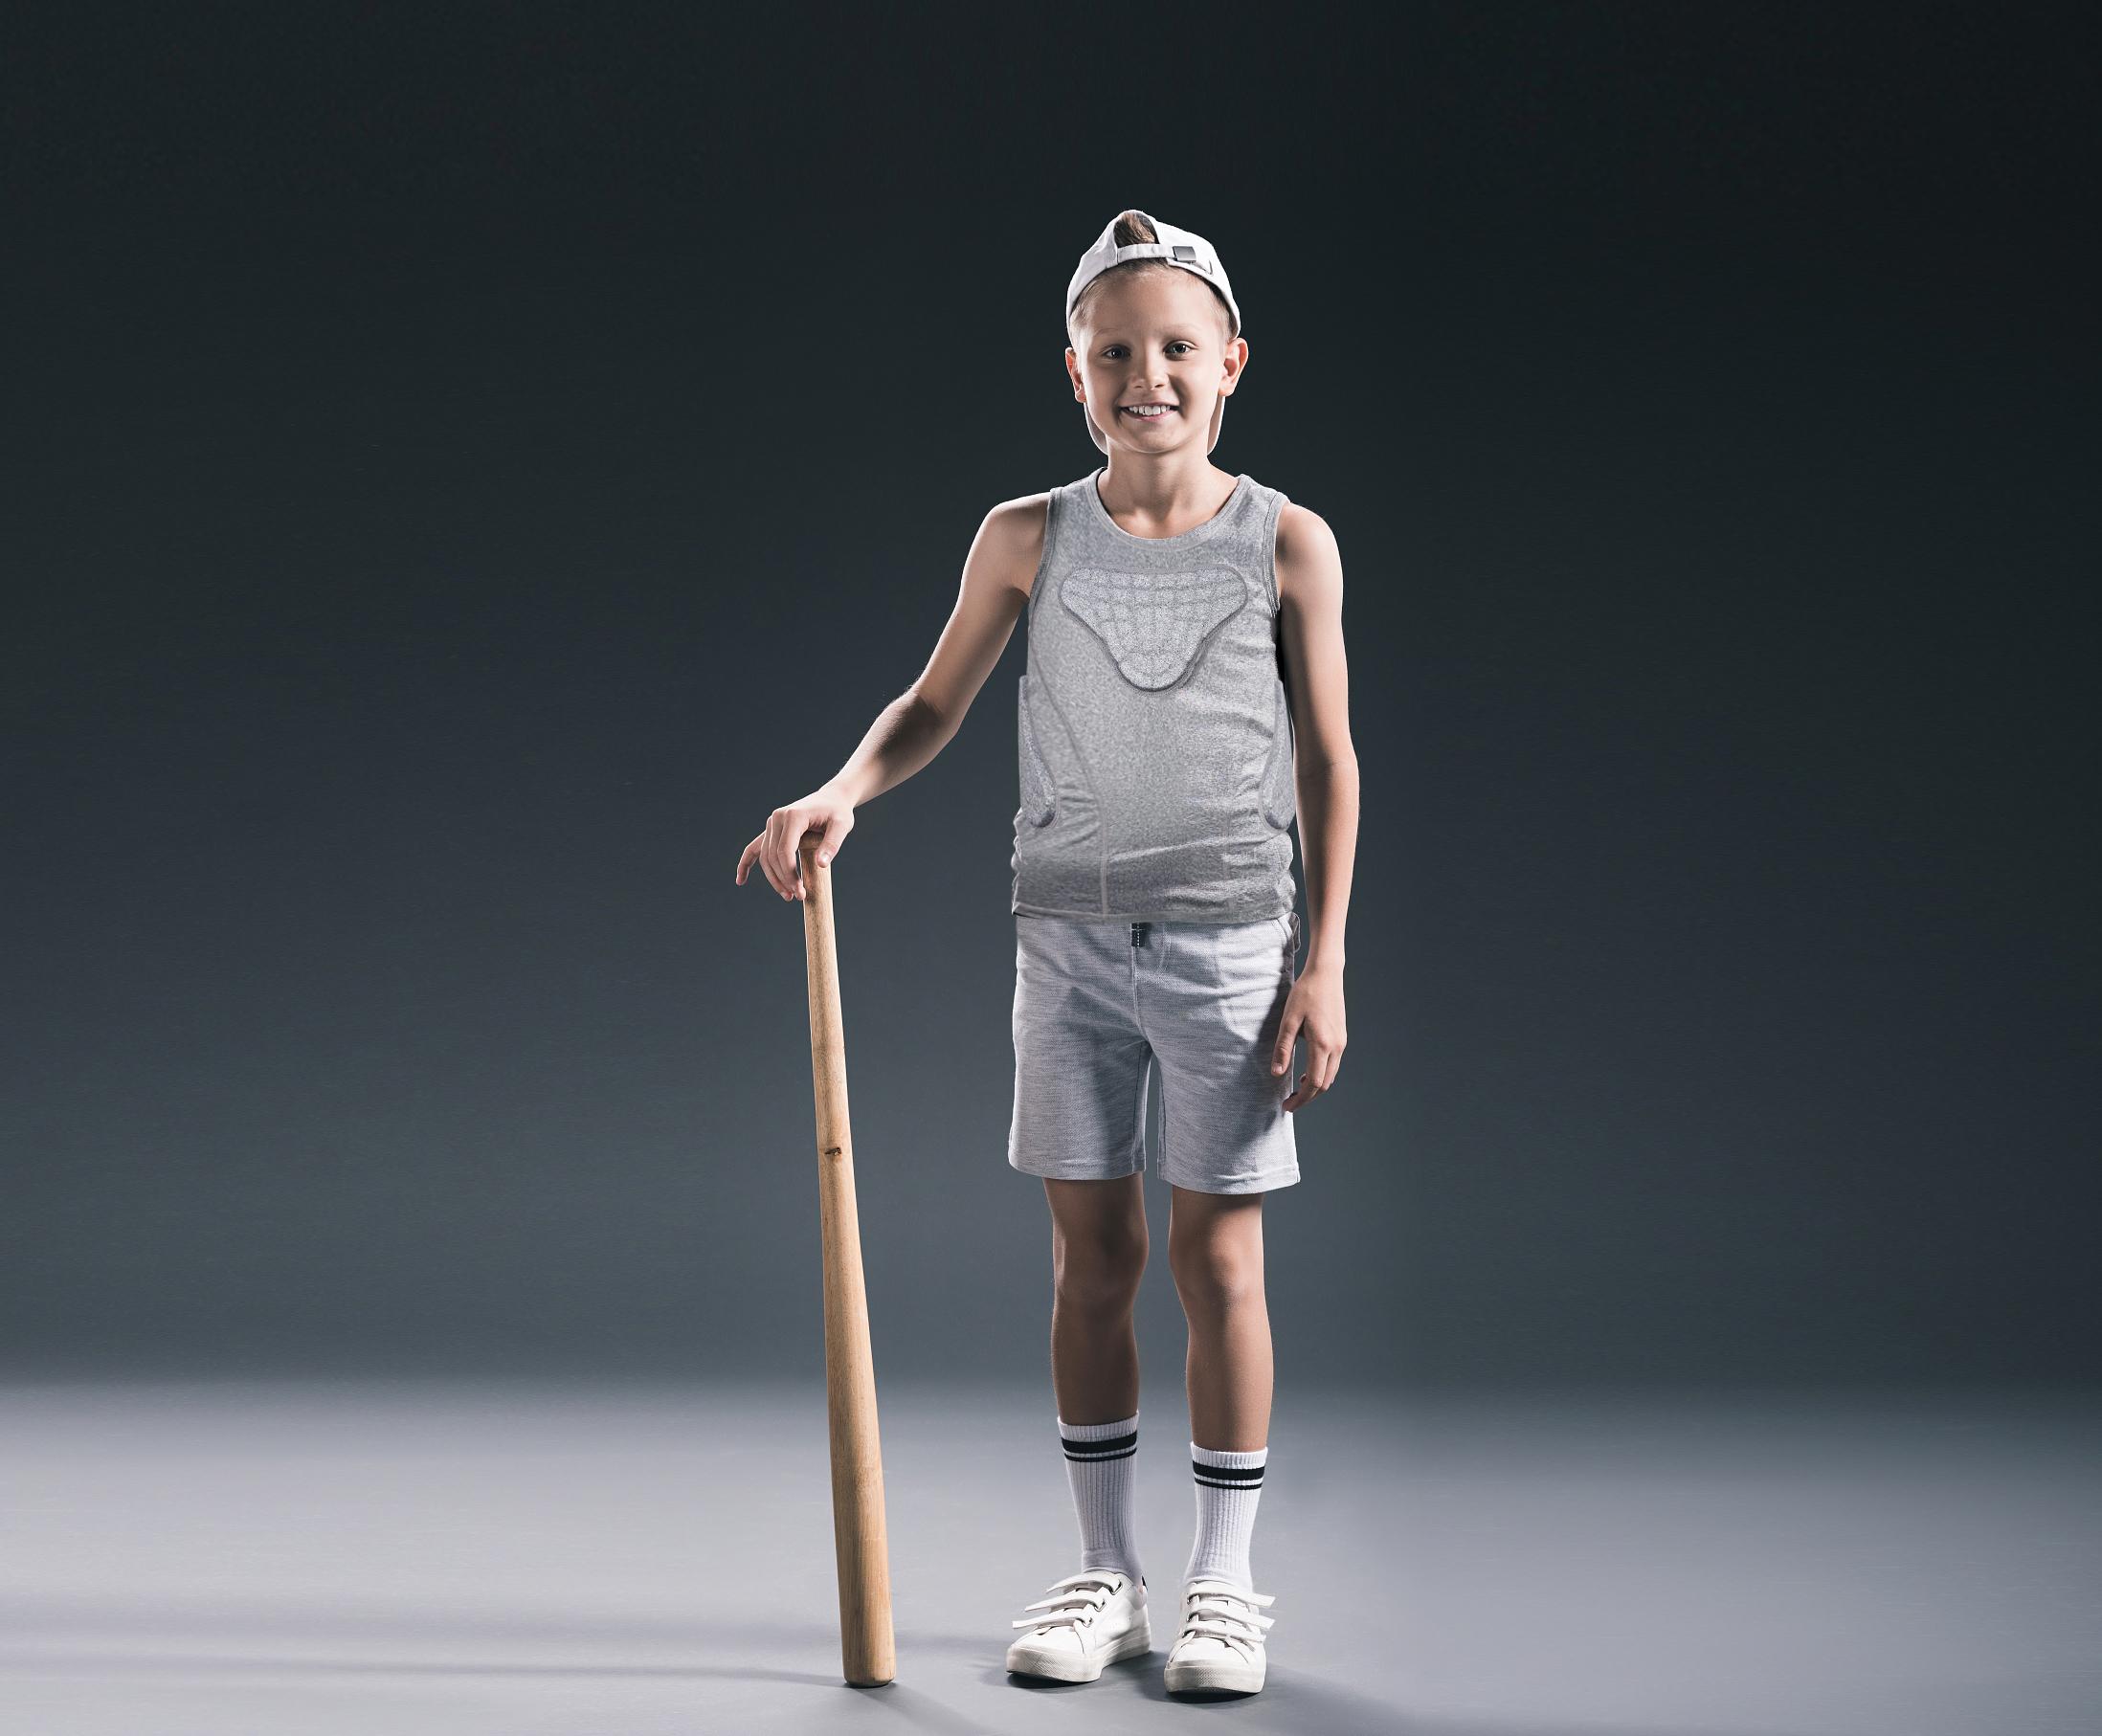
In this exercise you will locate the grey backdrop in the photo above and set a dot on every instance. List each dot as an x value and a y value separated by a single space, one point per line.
457 487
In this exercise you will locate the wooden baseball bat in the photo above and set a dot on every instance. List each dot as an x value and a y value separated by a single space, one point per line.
866 1647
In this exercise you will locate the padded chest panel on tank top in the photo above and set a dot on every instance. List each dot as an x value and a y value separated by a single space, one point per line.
1154 624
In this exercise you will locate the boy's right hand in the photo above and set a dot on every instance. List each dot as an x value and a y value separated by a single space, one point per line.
780 847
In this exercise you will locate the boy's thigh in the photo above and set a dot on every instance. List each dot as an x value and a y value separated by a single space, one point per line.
1081 1060
1100 1218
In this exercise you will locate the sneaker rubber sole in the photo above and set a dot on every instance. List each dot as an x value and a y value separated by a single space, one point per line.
1057 1665
1214 1675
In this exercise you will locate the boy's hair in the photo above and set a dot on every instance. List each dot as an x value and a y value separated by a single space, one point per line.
1129 230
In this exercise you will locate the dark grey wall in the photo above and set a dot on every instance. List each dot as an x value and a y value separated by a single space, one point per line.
464 471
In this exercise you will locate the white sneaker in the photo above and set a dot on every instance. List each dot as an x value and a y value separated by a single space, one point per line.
1096 1617
1221 1645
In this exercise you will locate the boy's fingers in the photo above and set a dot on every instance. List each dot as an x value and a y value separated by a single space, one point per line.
799 831
1307 1091
779 849
1281 1054
755 855
788 833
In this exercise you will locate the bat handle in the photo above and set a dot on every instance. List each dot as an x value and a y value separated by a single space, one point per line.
866 1642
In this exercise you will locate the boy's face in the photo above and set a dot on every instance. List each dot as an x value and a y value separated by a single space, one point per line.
1153 337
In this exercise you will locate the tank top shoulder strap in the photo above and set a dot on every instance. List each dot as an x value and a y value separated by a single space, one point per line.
1057 502
1273 502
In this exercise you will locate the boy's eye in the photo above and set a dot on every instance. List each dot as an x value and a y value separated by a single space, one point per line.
1115 349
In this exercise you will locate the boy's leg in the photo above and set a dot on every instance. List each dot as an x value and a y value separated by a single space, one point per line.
1098 1256
1214 1248
1098 1241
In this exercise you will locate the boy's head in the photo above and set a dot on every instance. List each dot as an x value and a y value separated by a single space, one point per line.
1151 319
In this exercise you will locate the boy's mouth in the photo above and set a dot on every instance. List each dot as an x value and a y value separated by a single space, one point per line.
1146 413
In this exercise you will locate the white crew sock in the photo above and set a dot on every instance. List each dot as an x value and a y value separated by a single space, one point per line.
1100 1458
1228 1487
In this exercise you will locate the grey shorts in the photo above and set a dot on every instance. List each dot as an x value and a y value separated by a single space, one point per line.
1099 1004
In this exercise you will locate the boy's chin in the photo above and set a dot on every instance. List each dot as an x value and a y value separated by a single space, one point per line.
1154 440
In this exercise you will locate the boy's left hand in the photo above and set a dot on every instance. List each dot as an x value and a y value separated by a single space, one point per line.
1314 1010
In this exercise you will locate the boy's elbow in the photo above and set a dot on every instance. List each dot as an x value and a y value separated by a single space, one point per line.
917 696
938 723
1331 766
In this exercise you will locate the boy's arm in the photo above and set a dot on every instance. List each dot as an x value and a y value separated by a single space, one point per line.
914 727
1310 589
998 576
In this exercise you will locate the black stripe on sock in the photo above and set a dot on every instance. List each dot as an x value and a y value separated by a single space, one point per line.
1114 1446
1227 1477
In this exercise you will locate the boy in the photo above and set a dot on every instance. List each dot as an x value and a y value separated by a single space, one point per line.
1185 699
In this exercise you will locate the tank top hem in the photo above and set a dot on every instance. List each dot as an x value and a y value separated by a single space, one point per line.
1249 914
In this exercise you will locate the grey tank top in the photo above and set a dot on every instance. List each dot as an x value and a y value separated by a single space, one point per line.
1153 736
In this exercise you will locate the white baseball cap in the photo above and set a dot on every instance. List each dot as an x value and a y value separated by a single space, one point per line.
1181 247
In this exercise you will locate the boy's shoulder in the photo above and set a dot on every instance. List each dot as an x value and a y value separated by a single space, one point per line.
1306 554
1011 541
1303 525
1022 520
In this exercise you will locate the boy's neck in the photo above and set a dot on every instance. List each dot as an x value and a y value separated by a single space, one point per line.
1161 501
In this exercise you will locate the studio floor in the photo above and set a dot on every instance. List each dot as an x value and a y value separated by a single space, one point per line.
523 1558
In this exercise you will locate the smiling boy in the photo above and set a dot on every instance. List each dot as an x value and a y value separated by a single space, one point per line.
1185 701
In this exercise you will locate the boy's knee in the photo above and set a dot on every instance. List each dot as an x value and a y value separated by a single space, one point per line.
1215 1275
1100 1271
